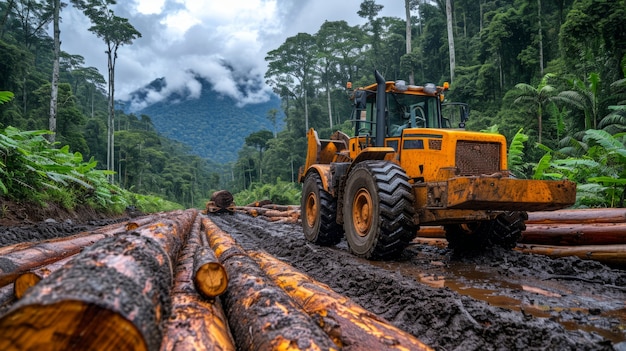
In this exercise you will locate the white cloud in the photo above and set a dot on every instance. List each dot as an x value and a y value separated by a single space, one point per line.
222 42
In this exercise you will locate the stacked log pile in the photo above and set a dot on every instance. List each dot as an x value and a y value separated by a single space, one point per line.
595 234
272 212
175 281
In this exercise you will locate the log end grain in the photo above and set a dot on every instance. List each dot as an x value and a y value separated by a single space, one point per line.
68 325
24 282
211 279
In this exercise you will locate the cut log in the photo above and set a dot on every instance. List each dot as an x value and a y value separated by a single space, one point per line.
209 276
614 255
111 296
575 234
261 315
6 296
222 198
21 261
431 232
29 279
282 207
195 323
441 243
592 215
221 201
260 203
348 324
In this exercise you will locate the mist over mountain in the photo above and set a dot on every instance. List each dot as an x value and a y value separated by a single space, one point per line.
214 125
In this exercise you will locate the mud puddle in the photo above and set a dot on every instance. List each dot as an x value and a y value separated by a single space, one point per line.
484 285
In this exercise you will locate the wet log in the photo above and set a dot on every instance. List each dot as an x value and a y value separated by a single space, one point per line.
431 232
112 229
261 315
592 215
221 201
614 255
209 276
222 198
111 296
438 242
40 254
260 203
29 279
282 207
289 220
347 323
6 295
194 323
575 234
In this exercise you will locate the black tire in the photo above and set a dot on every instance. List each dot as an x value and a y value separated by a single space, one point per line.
504 231
319 213
378 210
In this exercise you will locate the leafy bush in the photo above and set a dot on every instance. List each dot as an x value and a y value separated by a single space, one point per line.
281 193
31 169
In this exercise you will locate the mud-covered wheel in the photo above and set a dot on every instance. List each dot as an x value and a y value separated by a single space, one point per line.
319 213
378 210
505 231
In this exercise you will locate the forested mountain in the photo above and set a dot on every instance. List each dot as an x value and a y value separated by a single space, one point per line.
213 125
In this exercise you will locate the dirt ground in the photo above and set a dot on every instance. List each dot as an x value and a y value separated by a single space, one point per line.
498 300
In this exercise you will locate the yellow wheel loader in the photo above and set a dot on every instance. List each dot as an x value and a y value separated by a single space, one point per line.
406 167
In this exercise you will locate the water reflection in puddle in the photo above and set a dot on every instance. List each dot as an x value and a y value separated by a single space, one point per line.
486 286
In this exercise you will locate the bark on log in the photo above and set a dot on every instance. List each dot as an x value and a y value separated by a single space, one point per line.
592 215
261 315
347 323
222 198
614 255
282 207
20 261
575 234
441 243
6 295
116 228
431 232
111 296
195 323
260 203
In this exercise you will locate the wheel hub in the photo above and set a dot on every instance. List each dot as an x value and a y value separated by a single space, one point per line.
362 212
311 210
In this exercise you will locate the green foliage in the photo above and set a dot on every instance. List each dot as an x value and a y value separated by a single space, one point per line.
32 170
516 154
281 193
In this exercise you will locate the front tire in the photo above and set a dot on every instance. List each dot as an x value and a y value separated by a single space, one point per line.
319 213
378 210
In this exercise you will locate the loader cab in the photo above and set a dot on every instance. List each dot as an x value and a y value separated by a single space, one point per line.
406 106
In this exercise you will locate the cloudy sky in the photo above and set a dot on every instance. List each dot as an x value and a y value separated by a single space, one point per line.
179 36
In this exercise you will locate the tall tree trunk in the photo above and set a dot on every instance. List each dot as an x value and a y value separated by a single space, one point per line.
540 37
449 18
330 107
112 55
55 74
407 9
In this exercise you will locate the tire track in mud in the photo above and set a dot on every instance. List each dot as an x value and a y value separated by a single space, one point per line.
502 300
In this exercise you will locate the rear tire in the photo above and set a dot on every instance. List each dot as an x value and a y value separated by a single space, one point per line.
319 213
505 231
378 210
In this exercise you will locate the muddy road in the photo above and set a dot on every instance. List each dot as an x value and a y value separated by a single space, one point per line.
498 300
